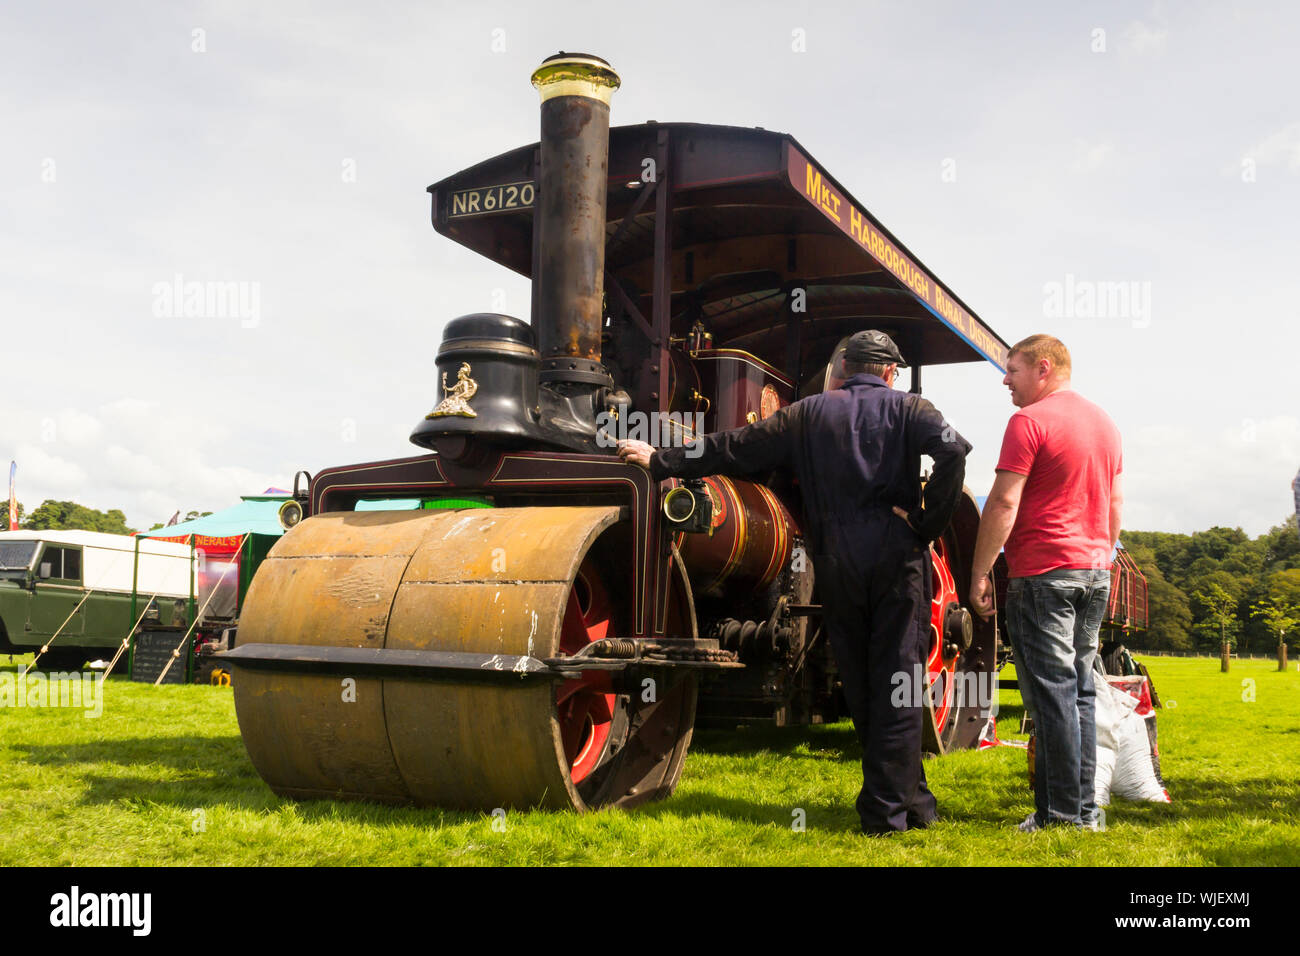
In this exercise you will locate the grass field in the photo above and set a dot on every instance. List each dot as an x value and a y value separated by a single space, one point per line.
161 778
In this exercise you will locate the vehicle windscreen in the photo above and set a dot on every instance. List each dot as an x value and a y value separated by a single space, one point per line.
16 555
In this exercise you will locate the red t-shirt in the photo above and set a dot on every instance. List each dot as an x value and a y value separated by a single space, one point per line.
1069 449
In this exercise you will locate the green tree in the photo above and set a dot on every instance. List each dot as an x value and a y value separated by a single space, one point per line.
1243 568
1281 546
1228 582
1245 560
68 515
1169 617
1281 618
1217 543
1219 609
1284 586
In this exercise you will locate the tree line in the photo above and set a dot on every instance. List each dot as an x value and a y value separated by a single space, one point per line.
1219 586
70 516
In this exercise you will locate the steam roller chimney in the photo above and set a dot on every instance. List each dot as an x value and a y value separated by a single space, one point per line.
498 390
568 276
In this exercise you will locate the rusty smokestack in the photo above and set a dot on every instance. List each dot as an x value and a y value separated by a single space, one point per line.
569 271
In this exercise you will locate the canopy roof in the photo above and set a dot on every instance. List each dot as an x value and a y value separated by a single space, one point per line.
753 218
255 514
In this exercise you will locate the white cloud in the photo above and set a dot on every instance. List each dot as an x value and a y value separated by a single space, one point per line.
1279 148
78 428
38 467
1091 156
1144 38
122 467
1179 477
131 454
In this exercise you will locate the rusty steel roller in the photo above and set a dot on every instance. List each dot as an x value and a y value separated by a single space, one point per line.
346 595
751 540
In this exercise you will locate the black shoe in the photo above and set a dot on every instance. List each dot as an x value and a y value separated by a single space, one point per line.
917 823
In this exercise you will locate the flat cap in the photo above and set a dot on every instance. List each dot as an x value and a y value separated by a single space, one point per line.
873 347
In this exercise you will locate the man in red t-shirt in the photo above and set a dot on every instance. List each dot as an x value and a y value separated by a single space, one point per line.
1055 506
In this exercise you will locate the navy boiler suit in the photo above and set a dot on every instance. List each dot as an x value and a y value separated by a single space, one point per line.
856 452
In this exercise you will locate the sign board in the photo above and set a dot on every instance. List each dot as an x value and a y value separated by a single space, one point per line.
485 200
152 650
816 187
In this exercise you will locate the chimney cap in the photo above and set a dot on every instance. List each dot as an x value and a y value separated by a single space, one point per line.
576 74
576 56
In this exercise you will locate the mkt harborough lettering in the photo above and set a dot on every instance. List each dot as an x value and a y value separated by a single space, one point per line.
883 251
827 199
821 193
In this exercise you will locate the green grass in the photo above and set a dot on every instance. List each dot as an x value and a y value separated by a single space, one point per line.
162 778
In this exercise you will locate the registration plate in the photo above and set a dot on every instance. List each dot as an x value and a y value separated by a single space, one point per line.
485 200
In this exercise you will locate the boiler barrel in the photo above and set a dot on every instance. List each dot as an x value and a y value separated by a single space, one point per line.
752 538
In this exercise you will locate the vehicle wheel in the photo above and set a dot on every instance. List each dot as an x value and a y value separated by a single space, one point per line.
959 668
519 582
62 659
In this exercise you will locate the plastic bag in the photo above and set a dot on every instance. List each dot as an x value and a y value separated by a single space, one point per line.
1126 757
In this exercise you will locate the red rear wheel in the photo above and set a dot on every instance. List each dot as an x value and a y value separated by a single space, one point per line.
941 670
586 706
624 734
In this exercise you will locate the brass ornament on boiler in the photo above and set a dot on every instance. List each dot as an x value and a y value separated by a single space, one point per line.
456 400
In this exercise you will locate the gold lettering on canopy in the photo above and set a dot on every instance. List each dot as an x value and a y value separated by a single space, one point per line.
818 190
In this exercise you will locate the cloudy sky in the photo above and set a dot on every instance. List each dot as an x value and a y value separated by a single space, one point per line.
1026 152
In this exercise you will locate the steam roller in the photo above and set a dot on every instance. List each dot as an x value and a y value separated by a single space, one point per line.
516 618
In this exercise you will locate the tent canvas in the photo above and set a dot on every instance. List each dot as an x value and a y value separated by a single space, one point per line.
233 542
256 514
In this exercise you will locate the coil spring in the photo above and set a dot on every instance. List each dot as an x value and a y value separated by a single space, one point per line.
745 636
615 647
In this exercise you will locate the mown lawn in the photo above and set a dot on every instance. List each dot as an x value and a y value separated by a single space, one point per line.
162 778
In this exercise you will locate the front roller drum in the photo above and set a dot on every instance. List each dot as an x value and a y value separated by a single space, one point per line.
538 582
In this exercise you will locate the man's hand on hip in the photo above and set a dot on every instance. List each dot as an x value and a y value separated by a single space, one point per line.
636 452
903 514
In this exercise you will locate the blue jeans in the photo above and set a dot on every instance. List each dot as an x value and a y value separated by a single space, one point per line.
1053 620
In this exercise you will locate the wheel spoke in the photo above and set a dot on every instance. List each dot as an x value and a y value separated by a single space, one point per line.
940 672
585 706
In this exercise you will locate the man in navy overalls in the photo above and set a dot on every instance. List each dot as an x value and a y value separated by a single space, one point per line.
856 452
